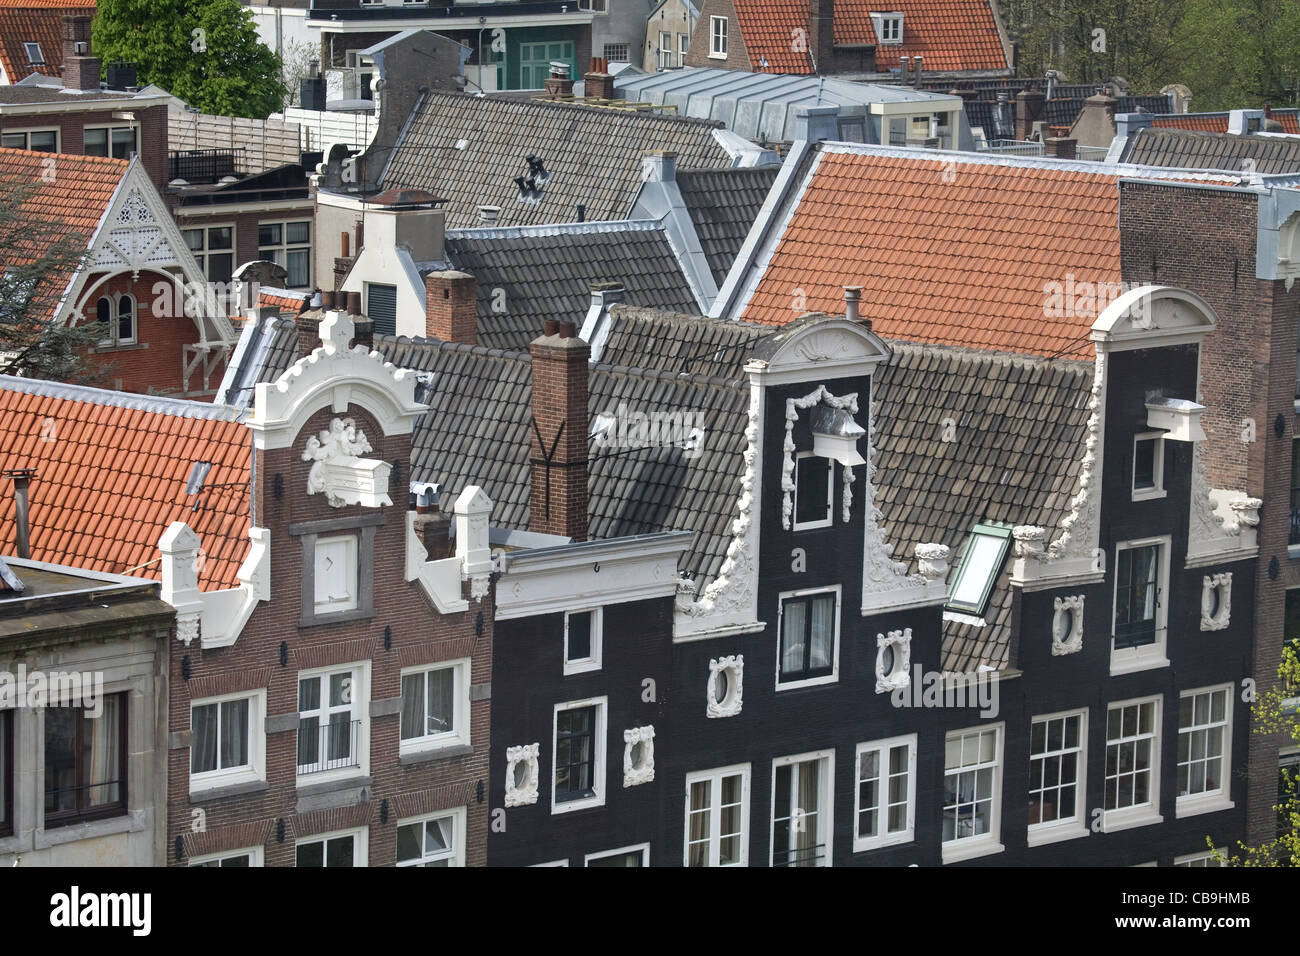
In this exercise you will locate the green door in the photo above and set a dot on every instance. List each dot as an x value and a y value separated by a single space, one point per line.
535 62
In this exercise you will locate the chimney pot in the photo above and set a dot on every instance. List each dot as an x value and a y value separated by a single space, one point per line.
568 330
21 478
550 327
852 296
346 242
354 303
327 300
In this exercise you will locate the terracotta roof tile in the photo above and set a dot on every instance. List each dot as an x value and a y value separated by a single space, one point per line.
950 35
94 507
965 263
35 21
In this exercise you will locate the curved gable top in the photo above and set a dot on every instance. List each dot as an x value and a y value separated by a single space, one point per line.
1153 316
341 376
819 345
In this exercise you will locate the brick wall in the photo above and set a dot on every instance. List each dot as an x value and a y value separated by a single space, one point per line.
152 139
416 634
702 38
156 360
1204 240
558 502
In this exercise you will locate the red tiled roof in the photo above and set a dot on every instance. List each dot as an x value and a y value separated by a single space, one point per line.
1218 122
961 263
35 21
69 197
290 302
110 477
950 35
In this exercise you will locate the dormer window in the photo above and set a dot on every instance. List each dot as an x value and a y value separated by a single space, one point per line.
718 38
889 28
1148 466
813 489
34 55
981 562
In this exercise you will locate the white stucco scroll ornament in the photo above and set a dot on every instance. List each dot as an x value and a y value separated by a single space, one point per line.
521 775
1067 625
893 661
340 473
1216 601
726 691
638 755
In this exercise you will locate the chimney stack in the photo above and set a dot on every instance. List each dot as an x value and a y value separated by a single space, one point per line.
80 69
558 83
599 83
558 503
821 34
22 478
451 307
1030 109
916 70
308 324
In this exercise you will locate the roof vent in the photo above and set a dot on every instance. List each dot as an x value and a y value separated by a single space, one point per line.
198 472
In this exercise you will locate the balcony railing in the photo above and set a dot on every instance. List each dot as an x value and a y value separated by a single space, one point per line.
1014 147
204 165
331 747
1135 634
801 856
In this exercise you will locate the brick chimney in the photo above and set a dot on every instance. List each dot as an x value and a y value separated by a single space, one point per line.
558 83
558 503
80 69
821 33
1030 109
599 82
451 307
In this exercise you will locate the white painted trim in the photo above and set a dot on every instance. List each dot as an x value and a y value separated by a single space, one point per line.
642 848
459 828
1145 813
863 844
1077 825
255 769
714 776
830 493
834 675
1147 656
599 746
825 811
255 854
967 848
1158 471
459 735
1213 800
360 710
592 661
360 843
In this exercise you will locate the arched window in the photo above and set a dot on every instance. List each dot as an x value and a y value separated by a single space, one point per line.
126 320
103 312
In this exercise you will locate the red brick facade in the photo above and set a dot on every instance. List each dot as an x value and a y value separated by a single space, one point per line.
151 121
1205 240
404 631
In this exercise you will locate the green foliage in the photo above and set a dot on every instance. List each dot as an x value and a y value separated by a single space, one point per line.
33 275
207 53
1232 54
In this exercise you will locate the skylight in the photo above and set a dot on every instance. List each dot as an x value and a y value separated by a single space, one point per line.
34 55
981 563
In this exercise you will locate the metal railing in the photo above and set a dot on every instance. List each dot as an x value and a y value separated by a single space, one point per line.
800 856
1093 154
1014 147
329 747
204 165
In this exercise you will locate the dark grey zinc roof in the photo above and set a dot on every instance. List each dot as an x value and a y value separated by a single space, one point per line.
593 155
1019 426
545 272
723 204
648 338
477 433
1193 149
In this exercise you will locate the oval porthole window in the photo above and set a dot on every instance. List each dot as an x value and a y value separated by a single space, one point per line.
887 660
638 754
720 686
521 774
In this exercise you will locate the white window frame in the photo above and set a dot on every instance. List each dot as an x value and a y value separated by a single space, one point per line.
714 777
564 862
255 854
1157 468
825 810
360 844
1193 859
284 247
862 844
683 47
1066 828
26 133
1147 813
717 38
1129 659
642 848
598 758
593 661
666 53
359 706
829 520
834 675
352 570
1213 800
457 855
39 58
966 848
459 735
252 772
115 339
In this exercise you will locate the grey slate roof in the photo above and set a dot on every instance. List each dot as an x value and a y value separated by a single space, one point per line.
723 204
478 433
271 348
593 155
1020 425
546 272
1193 149
1020 428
